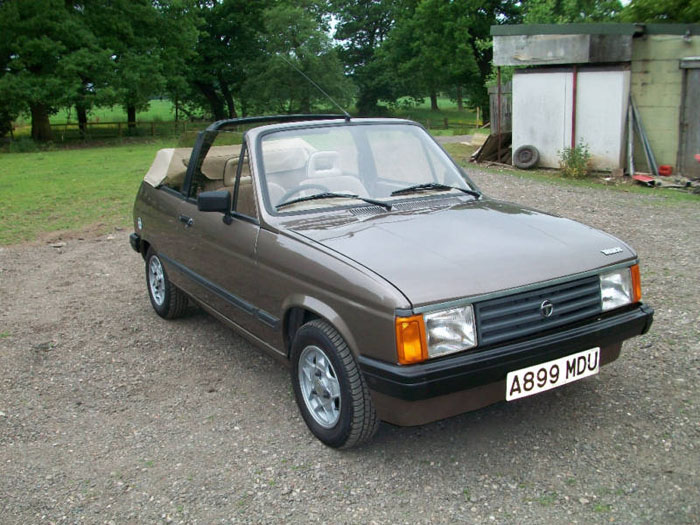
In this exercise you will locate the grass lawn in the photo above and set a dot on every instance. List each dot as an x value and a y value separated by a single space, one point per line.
460 122
70 189
158 110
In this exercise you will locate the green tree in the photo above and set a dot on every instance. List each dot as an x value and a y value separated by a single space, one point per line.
178 39
147 42
430 49
296 36
444 46
45 47
130 30
10 105
570 11
483 14
361 28
229 47
676 11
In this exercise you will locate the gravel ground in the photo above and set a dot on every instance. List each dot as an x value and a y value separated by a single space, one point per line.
109 414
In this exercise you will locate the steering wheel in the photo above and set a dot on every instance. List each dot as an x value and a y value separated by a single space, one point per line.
289 193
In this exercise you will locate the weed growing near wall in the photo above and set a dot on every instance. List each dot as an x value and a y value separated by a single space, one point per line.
575 162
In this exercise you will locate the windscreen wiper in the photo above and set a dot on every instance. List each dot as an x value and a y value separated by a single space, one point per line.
434 186
334 195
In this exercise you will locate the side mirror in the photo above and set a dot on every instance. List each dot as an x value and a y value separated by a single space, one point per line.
214 201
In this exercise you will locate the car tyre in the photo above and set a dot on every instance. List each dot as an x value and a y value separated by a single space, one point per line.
526 157
167 300
329 388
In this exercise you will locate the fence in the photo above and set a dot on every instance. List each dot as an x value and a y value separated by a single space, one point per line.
71 131
445 123
102 130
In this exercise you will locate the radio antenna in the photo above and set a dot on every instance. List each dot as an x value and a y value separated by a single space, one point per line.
290 64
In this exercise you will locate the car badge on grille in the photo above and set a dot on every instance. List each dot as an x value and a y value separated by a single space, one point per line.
546 308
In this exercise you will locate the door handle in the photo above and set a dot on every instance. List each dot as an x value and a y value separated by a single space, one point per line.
187 220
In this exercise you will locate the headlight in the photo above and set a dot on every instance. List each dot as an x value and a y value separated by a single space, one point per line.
434 334
450 331
620 287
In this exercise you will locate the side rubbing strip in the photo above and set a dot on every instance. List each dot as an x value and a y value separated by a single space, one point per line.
259 314
266 318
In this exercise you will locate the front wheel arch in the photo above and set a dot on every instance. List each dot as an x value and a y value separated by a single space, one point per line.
145 246
294 318
313 308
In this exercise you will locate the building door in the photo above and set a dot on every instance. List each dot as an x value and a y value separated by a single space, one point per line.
690 118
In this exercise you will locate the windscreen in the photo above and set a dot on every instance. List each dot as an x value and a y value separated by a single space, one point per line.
368 160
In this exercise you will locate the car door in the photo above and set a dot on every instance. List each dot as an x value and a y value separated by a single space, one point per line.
218 250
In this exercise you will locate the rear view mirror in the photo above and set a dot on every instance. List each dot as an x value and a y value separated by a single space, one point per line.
214 201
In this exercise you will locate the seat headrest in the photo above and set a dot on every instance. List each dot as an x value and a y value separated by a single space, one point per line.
324 164
230 171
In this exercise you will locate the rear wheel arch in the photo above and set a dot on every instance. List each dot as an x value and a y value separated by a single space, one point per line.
167 300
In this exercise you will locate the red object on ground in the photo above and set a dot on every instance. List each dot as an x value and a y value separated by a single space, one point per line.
643 178
697 157
665 170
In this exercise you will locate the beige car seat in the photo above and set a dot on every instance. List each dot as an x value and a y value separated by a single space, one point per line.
324 169
246 197
275 192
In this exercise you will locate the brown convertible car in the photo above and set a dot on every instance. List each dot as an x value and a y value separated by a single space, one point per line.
359 252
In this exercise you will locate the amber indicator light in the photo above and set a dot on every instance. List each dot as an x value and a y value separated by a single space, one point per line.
636 284
411 345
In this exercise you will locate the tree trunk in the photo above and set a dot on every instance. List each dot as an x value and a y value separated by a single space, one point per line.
433 101
367 104
305 102
41 127
131 116
228 97
81 111
460 99
215 102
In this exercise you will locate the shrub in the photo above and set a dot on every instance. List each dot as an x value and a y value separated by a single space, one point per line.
575 162
23 145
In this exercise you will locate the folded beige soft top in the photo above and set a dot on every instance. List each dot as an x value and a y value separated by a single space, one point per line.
170 165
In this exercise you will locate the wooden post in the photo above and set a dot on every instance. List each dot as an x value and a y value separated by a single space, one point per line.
630 139
447 126
478 116
498 111
573 108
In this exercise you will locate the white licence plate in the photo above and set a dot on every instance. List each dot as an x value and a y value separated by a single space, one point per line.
545 376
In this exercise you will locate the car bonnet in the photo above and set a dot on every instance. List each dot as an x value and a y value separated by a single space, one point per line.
465 250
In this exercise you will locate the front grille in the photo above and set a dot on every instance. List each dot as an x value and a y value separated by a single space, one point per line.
515 316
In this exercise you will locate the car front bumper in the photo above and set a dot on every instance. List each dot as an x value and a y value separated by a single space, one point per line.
417 394
135 241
